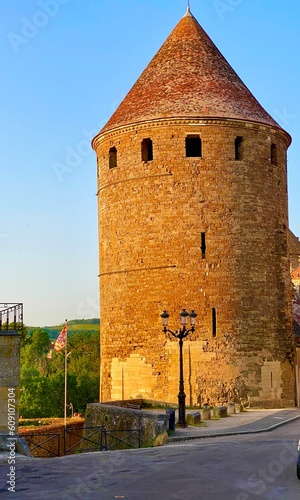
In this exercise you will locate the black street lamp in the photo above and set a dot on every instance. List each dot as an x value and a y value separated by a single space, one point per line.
180 334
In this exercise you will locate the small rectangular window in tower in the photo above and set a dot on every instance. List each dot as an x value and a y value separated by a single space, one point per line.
273 154
147 150
112 157
214 322
203 245
193 146
238 144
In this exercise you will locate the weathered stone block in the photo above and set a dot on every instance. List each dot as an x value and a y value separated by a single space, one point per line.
205 413
231 408
220 411
193 418
239 407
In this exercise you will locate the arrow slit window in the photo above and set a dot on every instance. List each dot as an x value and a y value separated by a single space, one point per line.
147 150
214 322
112 157
273 154
239 149
203 245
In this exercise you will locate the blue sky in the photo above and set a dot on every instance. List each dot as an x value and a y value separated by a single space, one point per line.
65 66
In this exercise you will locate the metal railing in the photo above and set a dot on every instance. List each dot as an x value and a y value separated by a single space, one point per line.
83 439
128 438
99 439
42 444
11 317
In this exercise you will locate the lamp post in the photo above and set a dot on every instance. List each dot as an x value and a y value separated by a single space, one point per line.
180 335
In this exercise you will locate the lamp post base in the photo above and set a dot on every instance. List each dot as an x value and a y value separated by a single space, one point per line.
183 425
181 408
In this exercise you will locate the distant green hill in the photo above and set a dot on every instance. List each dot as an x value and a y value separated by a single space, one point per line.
91 321
75 325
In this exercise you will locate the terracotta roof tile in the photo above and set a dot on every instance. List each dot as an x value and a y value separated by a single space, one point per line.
188 77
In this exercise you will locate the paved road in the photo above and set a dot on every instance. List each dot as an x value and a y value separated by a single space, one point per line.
247 467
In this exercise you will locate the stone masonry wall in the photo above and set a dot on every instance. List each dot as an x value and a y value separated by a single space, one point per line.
120 422
151 216
9 379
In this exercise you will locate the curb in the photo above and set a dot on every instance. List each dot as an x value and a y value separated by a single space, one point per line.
230 433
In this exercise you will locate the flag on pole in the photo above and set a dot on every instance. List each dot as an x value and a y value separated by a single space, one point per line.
61 339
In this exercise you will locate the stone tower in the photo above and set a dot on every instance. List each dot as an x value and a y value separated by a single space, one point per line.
192 190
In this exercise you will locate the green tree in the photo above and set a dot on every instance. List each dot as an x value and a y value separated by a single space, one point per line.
42 379
33 396
34 353
87 391
85 352
40 341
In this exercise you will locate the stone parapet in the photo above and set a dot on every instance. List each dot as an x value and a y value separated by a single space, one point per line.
9 384
153 426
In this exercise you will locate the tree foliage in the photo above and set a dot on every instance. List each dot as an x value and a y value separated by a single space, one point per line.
42 379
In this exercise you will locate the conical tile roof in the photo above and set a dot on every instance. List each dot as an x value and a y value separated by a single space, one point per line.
188 77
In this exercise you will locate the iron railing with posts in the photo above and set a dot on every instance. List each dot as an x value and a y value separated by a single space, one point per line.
43 445
119 439
11 317
87 439
81 440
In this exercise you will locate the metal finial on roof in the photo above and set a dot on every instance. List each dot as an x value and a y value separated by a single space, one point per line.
188 11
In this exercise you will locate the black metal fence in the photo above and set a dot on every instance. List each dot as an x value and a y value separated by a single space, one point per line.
120 439
43 444
80 440
11 317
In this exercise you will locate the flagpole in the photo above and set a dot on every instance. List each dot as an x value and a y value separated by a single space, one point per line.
66 375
